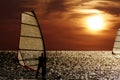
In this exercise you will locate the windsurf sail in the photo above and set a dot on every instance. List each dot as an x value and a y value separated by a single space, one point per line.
116 47
31 44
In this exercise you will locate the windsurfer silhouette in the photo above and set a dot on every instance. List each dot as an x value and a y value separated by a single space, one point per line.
41 65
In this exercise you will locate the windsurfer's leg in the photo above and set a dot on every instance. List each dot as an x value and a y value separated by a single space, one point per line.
39 65
44 71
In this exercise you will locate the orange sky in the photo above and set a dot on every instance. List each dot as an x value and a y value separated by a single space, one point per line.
63 23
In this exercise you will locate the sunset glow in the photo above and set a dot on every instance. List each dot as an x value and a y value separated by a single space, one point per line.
95 23
66 24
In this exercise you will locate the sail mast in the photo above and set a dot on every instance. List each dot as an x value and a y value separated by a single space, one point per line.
43 55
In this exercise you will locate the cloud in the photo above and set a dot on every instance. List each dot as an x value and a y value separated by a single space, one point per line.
111 10
11 8
62 8
111 7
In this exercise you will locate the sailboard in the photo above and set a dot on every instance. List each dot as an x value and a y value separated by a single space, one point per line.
116 47
31 43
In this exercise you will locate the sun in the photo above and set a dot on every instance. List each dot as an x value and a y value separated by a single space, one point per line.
95 23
